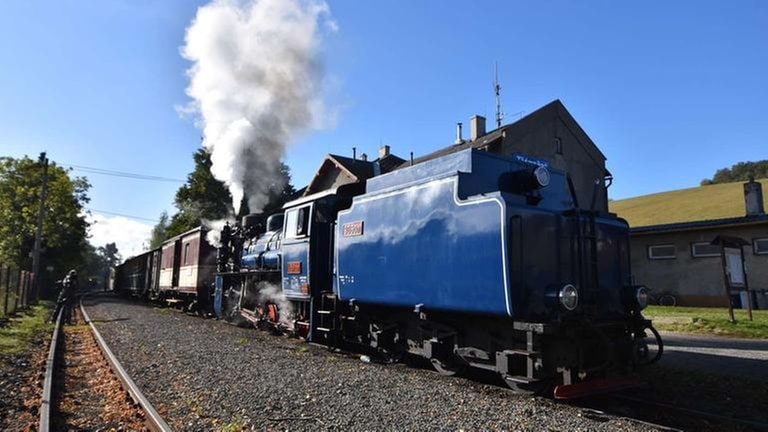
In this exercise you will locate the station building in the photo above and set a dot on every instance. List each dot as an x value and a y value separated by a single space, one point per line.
671 241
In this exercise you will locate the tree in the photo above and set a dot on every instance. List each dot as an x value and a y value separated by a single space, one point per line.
97 262
65 228
280 196
741 171
159 231
109 255
203 197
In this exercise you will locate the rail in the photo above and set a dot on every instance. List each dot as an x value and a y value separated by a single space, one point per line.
154 419
45 403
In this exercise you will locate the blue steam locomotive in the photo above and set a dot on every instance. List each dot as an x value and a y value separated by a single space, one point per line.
469 260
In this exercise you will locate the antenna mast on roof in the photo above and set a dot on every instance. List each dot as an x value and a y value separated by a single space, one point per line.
497 90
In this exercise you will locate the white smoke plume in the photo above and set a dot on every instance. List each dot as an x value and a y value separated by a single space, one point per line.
213 237
255 84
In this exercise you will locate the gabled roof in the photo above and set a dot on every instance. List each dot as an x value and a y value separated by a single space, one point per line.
523 127
357 170
360 169
389 163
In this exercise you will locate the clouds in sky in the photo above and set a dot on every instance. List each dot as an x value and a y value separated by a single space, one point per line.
130 236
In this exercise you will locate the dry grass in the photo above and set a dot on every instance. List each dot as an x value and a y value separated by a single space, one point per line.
712 321
685 205
23 328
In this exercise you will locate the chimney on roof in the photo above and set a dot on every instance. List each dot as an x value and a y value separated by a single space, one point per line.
476 127
383 151
753 197
364 157
459 138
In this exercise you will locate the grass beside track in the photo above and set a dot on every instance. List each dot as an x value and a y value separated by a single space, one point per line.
711 321
22 329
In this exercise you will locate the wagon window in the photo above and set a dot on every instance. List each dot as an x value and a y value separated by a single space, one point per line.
658 252
186 254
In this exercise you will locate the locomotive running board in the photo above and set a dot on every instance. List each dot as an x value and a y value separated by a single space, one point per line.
597 386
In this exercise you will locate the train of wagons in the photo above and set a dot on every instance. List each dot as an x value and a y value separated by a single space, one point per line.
469 260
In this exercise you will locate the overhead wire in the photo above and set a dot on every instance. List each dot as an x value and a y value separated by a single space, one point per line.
123 215
114 173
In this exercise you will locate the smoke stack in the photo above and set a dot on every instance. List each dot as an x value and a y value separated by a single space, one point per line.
364 157
354 152
459 139
753 197
476 127
383 151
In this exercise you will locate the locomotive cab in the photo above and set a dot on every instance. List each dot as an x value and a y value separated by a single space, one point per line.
307 252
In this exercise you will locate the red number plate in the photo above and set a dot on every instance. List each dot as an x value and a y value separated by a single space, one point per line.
294 267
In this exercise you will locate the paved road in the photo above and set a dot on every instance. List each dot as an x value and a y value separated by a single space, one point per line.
725 356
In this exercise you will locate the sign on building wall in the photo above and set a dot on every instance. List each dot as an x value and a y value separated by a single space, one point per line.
734 267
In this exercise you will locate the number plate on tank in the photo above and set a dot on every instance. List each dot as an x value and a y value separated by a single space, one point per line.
352 229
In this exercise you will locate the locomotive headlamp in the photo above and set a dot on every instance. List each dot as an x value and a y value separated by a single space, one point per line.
642 297
542 176
569 297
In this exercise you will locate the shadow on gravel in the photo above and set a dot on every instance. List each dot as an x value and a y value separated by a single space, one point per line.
690 400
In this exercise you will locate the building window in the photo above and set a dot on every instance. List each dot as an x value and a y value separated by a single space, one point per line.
658 252
558 145
761 246
704 250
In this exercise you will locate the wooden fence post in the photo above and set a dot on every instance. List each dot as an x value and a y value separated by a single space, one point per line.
5 276
24 289
17 288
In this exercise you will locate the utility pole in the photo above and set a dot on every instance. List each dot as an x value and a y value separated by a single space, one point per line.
40 219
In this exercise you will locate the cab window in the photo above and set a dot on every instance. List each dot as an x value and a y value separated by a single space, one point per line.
297 222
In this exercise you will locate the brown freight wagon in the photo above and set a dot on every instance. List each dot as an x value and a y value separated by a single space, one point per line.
187 265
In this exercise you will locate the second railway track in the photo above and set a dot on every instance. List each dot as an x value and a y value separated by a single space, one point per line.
85 386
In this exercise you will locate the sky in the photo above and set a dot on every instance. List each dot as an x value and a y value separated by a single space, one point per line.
669 91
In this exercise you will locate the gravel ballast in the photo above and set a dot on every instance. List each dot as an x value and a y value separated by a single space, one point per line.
203 374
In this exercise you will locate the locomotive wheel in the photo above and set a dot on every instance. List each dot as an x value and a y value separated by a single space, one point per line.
447 368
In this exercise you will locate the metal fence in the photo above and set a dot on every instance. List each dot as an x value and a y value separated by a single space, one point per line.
16 290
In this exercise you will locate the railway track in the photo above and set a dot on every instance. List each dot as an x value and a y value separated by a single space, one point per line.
86 387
